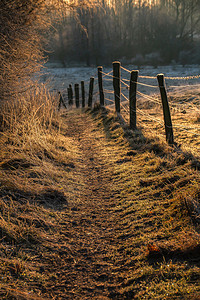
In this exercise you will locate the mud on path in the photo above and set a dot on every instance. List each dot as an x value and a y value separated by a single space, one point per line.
86 272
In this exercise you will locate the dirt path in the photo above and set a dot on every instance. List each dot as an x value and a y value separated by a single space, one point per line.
109 223
87 273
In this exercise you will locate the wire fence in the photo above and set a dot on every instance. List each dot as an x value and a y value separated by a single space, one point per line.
142 96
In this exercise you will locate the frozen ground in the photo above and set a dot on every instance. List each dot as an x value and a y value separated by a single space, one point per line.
60 78
183 95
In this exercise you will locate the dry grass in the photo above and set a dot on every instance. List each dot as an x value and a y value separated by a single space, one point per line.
185 110
36 182
157 191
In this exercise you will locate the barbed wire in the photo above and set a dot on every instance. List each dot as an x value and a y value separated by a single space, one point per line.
149 98
109 100
125 97
124 88
183 86
125 69
141 83
109 91
178 105
124 108
151 118
125 83
147 77
108 79
186 129
175 105
183 77
148 116
126 119
167 77
144 84
181 126
106 74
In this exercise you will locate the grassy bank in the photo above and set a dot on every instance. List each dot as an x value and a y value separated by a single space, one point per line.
157 190
37 162
154 188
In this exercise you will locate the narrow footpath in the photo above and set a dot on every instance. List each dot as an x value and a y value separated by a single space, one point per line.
108 222
87 272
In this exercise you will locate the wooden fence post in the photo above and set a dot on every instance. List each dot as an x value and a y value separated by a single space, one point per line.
132 98
83 93
77 94
100 82
70 95
116 84
91 92
166 110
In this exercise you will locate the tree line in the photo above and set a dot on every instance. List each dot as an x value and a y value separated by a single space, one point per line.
142 32
24 25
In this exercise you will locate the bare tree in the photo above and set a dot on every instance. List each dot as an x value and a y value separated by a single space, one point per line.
22 24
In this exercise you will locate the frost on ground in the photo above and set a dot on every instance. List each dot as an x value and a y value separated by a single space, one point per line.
183 95
60 78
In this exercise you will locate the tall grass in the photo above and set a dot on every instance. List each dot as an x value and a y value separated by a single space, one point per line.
29 115
27 120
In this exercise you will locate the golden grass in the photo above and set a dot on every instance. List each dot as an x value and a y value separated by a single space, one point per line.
185 111
157 187
36 183
154 187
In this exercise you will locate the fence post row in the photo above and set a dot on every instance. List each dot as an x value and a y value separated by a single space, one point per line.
100 82
77 94
132 99
83 93
117 96
166 110
91 92
116 84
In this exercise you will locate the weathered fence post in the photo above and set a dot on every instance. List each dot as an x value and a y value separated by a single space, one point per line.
132 98
70 95
91 92
77 94
83 93
166 110
116 84
70 100
100 82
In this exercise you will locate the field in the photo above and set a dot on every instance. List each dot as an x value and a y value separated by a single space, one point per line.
183 96
93 210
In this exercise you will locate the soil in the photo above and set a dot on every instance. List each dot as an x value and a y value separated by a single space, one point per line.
88 230
115 229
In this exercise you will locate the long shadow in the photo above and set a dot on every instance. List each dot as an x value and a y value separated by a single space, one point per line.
139 144
49 198
190 253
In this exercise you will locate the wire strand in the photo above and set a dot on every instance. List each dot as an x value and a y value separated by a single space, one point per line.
149 98
125 69
109 100
183 78
109 91
124 83
106 74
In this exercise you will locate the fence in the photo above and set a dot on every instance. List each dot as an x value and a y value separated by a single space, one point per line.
128 103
